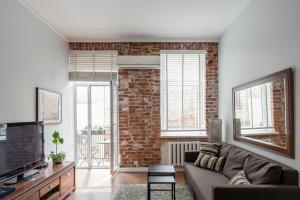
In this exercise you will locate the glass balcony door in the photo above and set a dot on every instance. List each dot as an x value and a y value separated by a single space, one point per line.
93 125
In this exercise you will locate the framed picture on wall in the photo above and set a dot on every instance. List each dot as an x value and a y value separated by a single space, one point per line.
48 106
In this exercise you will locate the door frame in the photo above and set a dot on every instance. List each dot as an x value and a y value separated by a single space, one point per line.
90 84
113 170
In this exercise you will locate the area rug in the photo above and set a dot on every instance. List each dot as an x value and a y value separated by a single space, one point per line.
139 192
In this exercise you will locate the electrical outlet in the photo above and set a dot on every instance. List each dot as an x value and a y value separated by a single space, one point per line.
136 163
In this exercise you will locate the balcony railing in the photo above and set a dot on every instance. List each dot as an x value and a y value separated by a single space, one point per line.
99 150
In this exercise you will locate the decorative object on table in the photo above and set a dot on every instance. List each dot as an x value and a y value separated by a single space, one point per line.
139 191
48 106
214 130
57 158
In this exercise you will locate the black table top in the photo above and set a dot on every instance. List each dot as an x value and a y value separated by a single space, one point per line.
161 169
161 179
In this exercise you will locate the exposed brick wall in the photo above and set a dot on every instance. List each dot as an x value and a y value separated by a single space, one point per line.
139 114
139 98
278 106
279 112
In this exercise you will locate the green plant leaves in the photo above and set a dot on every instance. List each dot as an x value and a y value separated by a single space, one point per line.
56 139
55 135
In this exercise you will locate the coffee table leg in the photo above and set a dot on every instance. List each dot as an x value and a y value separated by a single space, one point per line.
148 192
174 191
172 194
174 187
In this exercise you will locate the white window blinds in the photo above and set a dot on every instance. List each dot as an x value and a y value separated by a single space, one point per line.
183 90
92 65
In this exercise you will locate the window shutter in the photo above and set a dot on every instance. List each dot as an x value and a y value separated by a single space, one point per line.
92 65
182 90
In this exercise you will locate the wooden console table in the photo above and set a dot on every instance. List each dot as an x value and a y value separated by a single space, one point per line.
53 183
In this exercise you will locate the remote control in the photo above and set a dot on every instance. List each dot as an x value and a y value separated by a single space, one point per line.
5 191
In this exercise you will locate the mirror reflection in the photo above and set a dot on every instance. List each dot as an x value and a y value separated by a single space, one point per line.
260 113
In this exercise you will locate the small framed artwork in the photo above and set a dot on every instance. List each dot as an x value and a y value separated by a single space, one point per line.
48 106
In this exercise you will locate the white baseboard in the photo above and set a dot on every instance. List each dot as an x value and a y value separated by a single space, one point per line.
143 169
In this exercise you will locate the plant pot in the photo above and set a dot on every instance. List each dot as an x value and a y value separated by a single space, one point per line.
57 162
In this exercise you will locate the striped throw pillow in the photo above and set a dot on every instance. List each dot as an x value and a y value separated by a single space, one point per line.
210 162
239 179
210 148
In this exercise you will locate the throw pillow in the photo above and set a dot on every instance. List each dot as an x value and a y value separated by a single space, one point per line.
210 148
210 162
239 179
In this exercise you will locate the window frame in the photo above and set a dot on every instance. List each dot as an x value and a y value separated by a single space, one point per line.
200 132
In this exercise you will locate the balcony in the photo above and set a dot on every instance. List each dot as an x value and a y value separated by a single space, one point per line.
96 153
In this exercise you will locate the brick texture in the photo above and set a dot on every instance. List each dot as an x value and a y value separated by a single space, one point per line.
139 98
278 103
139 114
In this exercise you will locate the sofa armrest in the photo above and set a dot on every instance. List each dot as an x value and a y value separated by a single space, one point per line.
191 156
256 192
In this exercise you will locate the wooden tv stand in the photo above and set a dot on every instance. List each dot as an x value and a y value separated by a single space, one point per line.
55 182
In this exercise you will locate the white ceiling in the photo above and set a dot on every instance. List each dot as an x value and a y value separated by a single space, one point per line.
138 20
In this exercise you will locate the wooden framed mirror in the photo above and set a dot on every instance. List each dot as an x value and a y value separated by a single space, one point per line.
263 112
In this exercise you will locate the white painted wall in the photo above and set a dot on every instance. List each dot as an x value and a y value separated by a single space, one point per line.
263 40
32 55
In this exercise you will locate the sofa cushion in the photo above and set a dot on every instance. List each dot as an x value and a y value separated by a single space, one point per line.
210 162
261 171
234 162
210 148
224 150
239 179
202 180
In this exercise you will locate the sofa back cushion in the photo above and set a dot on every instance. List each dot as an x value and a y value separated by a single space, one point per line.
224 149
261 171
289 176
234 162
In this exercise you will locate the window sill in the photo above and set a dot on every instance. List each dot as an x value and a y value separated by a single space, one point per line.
184 134
258 131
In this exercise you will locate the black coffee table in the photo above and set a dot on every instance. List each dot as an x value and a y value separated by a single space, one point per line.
161 174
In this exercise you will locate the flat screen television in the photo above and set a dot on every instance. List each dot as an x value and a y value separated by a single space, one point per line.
21 150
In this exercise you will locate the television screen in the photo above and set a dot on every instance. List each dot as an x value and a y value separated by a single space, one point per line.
21 146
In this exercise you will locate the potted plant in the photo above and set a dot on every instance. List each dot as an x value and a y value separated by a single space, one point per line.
57 158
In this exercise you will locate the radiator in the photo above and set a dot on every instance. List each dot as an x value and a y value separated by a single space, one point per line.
176 151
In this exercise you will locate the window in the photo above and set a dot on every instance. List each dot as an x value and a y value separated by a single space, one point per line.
182 92
253 105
